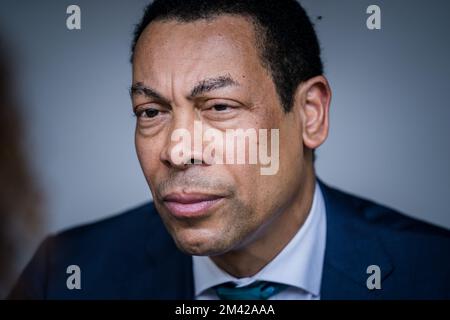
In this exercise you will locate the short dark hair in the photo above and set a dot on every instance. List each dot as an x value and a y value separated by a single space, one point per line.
285 35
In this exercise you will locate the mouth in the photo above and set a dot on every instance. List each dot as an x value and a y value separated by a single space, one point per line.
191 205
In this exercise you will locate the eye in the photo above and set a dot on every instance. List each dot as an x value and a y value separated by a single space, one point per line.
151 113
221 111
221 107
147 113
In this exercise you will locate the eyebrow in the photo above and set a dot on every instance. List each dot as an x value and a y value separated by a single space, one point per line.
203 86
211 84
139 88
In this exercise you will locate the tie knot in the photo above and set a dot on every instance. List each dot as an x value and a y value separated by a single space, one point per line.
259 290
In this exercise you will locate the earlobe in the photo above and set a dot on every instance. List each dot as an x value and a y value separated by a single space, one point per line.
315 103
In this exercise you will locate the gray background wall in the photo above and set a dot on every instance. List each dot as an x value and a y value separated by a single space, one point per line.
390 115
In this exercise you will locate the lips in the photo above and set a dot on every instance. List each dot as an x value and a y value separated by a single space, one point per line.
190 205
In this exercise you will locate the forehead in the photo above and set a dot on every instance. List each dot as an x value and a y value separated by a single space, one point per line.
202 48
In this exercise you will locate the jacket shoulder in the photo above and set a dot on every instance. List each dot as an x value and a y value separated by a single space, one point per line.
417 251
129 225
385 218
111 248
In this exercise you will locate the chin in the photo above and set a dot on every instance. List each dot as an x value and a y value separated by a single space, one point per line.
201 243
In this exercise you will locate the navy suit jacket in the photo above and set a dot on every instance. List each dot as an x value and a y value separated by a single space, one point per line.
132 256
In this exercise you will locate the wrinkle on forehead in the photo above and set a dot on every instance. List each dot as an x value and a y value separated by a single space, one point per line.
177 53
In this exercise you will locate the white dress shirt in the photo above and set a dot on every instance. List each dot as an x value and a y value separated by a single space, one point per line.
299 265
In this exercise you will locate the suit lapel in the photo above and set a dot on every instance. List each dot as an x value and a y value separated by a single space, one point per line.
351 246
171 279
166 272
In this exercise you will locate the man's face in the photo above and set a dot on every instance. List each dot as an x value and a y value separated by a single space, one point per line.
210 209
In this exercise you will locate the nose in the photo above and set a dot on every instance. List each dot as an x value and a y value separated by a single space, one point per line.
184 143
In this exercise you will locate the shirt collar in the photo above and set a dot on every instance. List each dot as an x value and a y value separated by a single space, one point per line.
299 264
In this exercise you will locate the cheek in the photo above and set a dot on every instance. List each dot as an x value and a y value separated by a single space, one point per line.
253 193
271 192
291 149
148 152
246 179
285 184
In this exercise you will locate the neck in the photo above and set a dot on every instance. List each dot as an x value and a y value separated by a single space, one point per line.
273 237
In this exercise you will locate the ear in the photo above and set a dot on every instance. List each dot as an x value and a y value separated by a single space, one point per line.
313 100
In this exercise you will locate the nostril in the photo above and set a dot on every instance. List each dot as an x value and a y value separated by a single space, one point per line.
195 161
167 163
